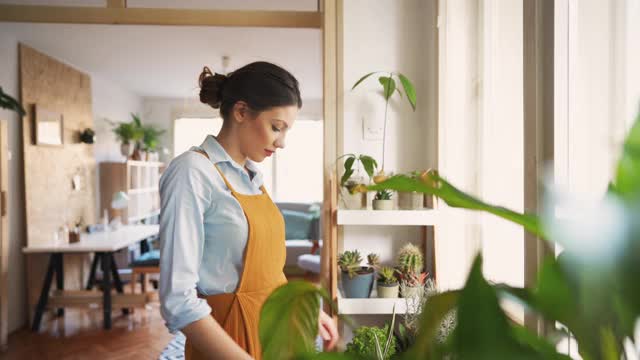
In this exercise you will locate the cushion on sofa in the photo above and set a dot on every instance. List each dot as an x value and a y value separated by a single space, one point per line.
297 224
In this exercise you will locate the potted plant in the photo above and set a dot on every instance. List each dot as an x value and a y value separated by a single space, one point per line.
128 134
374 342
411 200
388 89
150 140
388 285
357 281
354 198
411 264
383 201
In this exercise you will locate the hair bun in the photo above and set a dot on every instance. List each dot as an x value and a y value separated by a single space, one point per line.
211 87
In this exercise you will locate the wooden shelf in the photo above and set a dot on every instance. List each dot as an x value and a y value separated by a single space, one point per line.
388 217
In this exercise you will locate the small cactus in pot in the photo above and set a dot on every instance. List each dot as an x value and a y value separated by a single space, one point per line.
411 264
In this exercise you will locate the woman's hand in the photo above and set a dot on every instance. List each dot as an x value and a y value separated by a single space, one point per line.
328 330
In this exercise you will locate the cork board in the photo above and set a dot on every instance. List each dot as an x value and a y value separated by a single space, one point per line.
50 171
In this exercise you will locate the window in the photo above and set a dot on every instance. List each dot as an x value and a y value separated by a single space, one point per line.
293 174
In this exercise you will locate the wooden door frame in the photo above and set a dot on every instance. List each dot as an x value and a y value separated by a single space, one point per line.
4 238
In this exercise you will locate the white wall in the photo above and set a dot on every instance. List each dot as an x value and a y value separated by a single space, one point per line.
162 112
459 152
501 173
109 100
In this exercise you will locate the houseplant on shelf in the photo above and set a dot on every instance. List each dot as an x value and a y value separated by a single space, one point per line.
354 198
387 282
388 89
382 200
411 200
357 281
411 264
150 140
128 134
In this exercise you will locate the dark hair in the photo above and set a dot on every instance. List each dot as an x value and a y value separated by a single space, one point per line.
261 85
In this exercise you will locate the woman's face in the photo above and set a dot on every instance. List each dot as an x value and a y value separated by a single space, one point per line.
262 135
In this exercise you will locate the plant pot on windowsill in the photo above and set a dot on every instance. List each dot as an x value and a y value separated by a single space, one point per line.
360 285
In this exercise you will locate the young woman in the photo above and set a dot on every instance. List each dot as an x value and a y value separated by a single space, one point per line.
222 237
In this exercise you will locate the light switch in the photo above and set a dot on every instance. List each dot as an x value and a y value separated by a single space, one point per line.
371 129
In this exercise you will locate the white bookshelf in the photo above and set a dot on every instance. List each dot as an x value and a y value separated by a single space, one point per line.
426 217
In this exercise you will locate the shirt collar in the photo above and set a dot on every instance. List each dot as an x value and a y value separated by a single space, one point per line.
217 154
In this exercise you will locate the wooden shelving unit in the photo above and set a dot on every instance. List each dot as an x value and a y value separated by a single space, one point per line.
139 180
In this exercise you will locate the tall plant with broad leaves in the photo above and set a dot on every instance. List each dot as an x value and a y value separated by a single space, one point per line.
591 288
389 88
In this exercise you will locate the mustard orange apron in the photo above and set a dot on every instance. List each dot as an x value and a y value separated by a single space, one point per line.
264 258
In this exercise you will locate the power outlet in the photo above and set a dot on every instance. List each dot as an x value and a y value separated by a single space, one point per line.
371 130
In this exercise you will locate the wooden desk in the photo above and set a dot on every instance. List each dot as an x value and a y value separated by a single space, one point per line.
103 244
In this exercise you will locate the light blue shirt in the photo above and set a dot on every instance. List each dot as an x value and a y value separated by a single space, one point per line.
203 230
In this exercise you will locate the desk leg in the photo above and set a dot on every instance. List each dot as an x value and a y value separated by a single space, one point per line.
116 279
106 289
92 274
60 278
44 294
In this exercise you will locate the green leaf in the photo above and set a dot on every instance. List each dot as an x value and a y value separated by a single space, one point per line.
348 169
609 345
540 345
483 330
363 79
627 179
432 315
409 90
289 320
9 103
438 186
369 164
388 85
555 295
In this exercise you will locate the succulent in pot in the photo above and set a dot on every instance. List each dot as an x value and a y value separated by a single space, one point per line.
383 201
388 284
357 280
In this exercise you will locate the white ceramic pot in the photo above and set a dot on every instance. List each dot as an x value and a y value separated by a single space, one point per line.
355 201
388 291
382 204
411 291
410 200
126 150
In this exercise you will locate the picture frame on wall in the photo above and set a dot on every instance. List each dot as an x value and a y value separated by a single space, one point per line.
48 127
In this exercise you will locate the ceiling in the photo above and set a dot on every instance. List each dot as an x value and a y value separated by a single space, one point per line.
165 61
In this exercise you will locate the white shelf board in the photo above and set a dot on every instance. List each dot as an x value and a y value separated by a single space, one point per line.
388 217
372 305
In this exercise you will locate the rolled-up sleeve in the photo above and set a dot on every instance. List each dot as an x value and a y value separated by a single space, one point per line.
185 196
